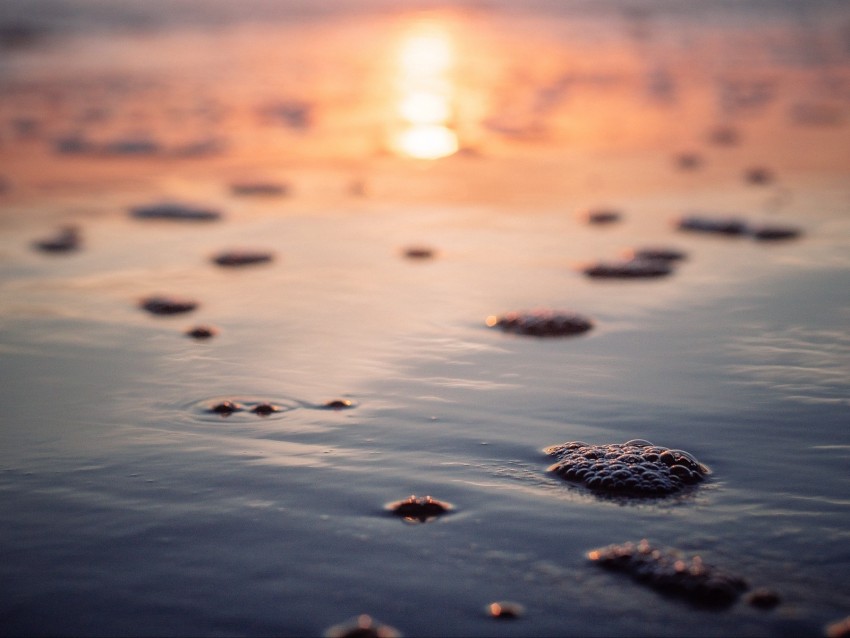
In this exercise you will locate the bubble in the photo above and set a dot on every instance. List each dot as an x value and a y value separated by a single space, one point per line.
418 252
763 598
505 610
264 409
243 409
226 408
201 332
338 404
775 233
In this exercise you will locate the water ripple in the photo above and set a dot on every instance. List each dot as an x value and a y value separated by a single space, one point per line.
797 363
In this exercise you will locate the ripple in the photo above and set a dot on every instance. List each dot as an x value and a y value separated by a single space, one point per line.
66 239
798 363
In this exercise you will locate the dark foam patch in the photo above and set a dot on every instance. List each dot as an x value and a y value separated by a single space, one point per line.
634 468
713 225
248 408
364 626
670 571
541 323
160 305
418 509
175 212
234 258
629 269
66 239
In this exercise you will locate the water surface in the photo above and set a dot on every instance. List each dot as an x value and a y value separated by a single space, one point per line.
130 509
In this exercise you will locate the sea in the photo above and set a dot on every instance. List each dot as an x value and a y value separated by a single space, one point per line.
405 174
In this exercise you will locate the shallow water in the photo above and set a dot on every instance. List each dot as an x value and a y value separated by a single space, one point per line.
130 509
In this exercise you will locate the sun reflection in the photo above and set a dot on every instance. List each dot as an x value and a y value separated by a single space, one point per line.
424 107
427 141
425 93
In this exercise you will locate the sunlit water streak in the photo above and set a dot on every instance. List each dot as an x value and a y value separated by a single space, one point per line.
425 88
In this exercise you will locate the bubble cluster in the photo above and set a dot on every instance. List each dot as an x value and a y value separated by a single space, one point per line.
337 404
720 225
773 233
65 240
758 175
688 161
260 408
175 211
201 332
733 226
541 323
226 408
600 216
629 269
670 571
159 305
636 468
656 254
265 409
418 252
259 189
234 258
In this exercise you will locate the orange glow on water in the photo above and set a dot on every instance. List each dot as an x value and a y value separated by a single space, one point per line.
426 50
424 93
424 107
426 141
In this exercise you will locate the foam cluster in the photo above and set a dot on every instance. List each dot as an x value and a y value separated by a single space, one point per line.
541 323
629 269
636 467
672 572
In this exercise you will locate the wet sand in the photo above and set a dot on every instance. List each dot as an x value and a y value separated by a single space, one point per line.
130 506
